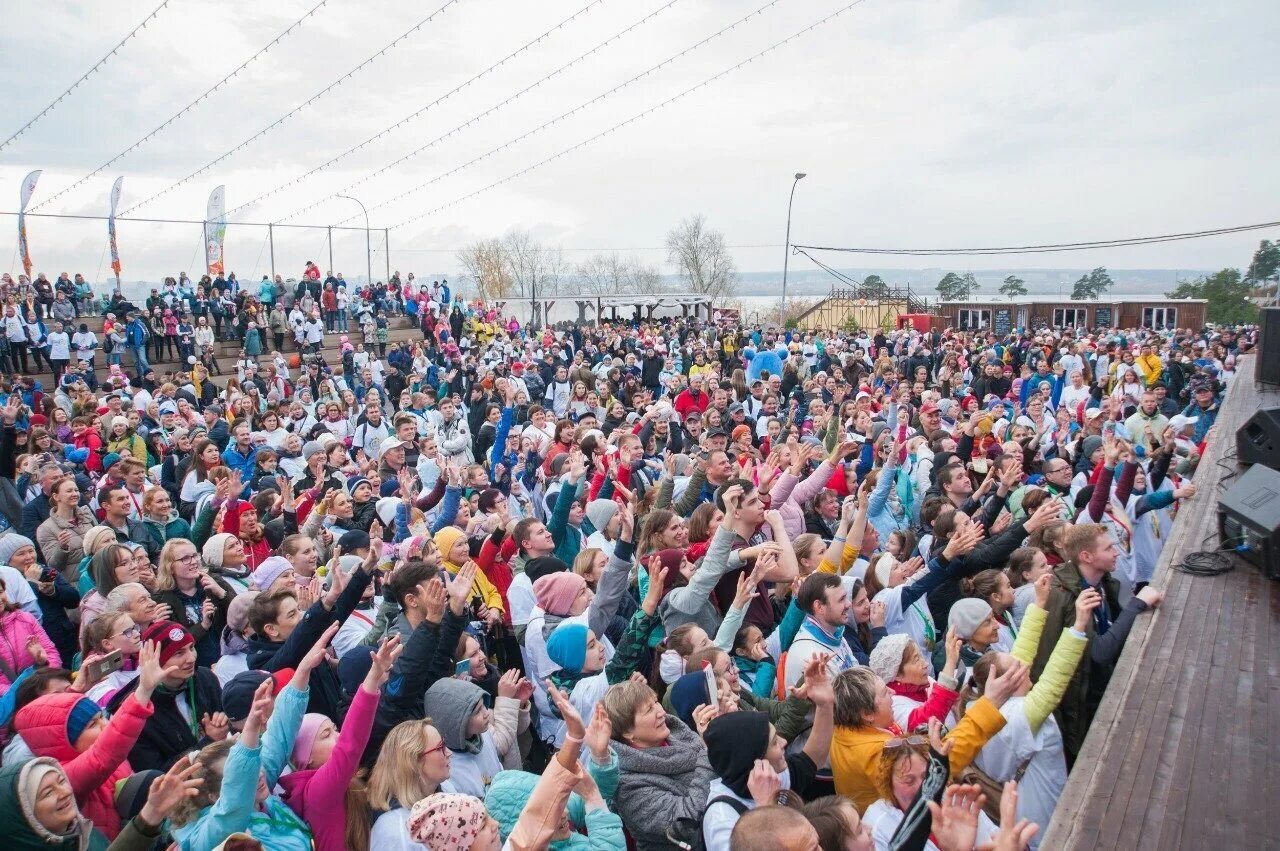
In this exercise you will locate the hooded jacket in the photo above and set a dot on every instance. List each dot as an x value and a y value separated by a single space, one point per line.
166 734
94 773
21 830
475 762
159 532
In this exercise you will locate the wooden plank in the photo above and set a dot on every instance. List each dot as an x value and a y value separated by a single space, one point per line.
1185 729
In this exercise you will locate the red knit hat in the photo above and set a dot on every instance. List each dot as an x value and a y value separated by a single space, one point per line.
170 637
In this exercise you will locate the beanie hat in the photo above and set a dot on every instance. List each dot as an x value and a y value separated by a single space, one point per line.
268 572
215 548
131 792
80 717
447 820
1090 445
308 730
110 460
536 568
356 482
734 743
600 512
447 538
237 694
10 544
687 694
886 658
311 447
967 614
556 592
231 522
386 507
353 667
171 638
883 568
567 646
356 539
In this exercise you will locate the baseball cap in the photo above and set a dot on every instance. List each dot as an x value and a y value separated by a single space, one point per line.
392 442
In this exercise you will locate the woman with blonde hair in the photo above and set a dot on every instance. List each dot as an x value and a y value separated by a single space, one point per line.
413 764
61 537
111 566
199 602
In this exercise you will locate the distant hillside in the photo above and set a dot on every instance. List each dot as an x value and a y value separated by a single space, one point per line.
1040 282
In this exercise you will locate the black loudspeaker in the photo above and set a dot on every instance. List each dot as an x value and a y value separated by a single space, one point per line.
1249 518
1258 440
1268 353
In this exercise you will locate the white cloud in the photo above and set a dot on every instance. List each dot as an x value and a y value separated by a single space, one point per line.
920 123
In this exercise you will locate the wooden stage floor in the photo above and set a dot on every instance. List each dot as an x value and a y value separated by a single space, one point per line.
1185 750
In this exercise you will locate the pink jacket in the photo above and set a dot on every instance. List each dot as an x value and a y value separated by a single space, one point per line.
789 495
318 795
15 628
94 773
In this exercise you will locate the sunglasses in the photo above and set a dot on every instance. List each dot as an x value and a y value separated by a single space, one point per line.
911 742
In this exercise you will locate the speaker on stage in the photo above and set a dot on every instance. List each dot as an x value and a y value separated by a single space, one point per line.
1249 518
1268 353
1258 440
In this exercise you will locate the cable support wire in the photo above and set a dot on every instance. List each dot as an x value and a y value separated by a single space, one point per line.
479 116
96 66
282 119
86 216
1051 247
207 92
415 114
708 81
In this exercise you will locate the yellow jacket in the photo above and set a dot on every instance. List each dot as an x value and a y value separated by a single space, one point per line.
1152 366
483 588
855 751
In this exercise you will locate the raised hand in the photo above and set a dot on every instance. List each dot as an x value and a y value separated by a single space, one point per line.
817 687
1044 585
1088 600
657 586
1015 833
599 733
36 651
315 656
732 497
879 613
170 789
955 822
763 783
259 713
460 588
215 726
1006 685
574 727
384 658
704 715
434 600
937 743
953 645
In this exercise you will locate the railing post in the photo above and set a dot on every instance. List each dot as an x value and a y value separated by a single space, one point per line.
271 241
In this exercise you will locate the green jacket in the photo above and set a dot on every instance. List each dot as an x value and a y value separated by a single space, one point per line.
1084 692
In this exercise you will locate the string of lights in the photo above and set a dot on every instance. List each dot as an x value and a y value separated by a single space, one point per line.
418 112
282 119
171 119
491 110
1050 247
706 82
95 67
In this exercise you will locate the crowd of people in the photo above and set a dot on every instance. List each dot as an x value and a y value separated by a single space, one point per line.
648 585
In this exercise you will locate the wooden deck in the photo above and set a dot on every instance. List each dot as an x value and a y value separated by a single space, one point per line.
1185 750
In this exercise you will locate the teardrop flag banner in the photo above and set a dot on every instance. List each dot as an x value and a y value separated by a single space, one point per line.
215 230
28 189
111 228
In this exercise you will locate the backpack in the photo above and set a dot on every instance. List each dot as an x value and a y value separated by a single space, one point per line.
107 344
686 833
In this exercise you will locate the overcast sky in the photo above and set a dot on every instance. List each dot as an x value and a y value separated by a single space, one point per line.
920 124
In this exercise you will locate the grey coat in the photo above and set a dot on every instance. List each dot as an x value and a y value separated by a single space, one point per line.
659 785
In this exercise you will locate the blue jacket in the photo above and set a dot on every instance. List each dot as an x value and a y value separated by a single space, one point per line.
135 333
244 463
1204 418
276 826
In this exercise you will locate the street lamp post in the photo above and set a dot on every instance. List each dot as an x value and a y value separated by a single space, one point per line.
368 251
786 257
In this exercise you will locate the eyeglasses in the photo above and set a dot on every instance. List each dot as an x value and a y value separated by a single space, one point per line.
186 559
132 632
429 751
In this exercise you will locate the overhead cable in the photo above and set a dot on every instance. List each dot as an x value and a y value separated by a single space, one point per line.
138 144
282 119
416 113
1050 247
96 66
708 81
487 112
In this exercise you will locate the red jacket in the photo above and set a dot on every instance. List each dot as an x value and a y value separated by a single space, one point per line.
90 439
94 773
495 561
935 702
687 402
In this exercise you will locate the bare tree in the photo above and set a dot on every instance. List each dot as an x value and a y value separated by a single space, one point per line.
702 258
537 270
604 274
485 261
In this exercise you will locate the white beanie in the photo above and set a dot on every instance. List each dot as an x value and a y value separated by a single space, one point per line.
886 659
215 548
386 509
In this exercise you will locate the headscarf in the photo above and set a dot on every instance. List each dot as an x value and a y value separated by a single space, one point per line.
734 742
